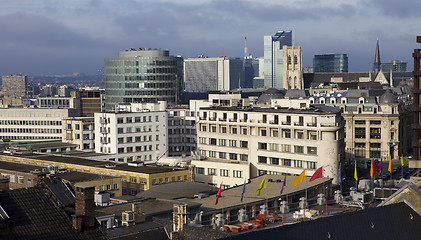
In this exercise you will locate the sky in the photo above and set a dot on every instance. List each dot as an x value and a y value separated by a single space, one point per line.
42 37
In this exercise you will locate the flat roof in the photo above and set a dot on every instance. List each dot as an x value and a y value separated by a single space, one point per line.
75 176
100 164
312 110
19 167
232 197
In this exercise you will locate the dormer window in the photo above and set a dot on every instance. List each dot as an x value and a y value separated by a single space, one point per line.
322 100
332 100
361 100
343 100
311 100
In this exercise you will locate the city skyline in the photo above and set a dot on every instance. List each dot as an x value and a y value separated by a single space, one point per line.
48 37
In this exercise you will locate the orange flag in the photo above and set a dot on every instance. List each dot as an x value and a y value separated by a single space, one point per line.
372 169
299 179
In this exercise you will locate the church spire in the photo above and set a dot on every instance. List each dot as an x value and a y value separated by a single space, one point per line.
377 62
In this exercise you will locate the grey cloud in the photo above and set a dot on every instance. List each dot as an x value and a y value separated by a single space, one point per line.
400 9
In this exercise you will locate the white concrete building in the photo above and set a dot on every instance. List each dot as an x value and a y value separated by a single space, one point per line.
33 123
245 142
134 132
80 131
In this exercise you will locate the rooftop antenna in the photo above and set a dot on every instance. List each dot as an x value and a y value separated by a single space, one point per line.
245 46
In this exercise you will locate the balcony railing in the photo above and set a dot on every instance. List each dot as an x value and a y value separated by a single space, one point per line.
298 124
312 124
274 122
233 119
286 123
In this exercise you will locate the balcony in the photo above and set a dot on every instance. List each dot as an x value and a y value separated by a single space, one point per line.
261 121
298 124
202 118
222 119
274 122
243 120
311 124
233 119
212 118
286 123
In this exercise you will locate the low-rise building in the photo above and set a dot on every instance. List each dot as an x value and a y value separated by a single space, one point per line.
80 131
21 175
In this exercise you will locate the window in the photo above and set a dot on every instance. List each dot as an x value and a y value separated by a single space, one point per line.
243 157
222 142
285 148
361 122
244 144
273 146
359 145
222 155
312 150
286 133
263 146
375 154
212 141
120 140
298 163
129 139
119 120
200 170
108 186
233 143
202 140
311 165
212 154
375 145
375 122
211 171
263 159
287 162
237 174
298 149
359 153
233 156
274 161
77 126
137 119
77 136
224 173
359 132
133 179
234 130
120 130
120 150
20 179
375 133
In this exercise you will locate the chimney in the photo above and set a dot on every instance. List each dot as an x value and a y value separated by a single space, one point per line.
84 216
4 184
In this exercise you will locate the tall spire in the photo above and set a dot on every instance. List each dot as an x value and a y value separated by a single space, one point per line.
377 62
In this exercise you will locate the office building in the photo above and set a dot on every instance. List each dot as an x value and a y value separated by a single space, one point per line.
14 85
416 141
213 74
285 138
33 123
273 56
79 131
142 75
91 101
136 132
330 63
394 66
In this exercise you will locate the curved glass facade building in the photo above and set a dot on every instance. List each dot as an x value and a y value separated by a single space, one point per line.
142 75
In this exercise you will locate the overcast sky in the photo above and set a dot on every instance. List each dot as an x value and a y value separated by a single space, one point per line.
62 36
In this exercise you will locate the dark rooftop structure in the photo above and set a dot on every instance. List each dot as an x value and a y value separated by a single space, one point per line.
396 221
34 215
177 190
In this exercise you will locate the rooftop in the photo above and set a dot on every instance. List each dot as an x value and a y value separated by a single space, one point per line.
320 110
18 167
74 176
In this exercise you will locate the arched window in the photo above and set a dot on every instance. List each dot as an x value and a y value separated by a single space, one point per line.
295 60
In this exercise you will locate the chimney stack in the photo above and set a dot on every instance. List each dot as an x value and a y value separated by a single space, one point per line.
84 216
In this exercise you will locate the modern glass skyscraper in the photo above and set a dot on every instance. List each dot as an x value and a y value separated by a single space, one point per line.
394 66
142 75
337 63
273 58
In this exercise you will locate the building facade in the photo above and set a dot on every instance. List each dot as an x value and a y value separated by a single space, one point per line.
142 75
33 123
394 66
135 132
416 141
293 67
273 58
79 131
14 85
329 63
273 140
213 74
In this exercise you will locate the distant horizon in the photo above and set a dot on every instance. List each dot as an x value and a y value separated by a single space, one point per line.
53 37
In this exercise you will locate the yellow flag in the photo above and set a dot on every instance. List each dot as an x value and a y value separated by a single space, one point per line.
299 179
355 172
390 165
403 161
262 185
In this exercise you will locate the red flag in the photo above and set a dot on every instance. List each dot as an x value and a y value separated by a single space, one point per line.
218 194
317 174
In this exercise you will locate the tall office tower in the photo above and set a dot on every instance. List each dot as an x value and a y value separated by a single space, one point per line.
377 66
273 58
14 85
334 63
394 66
416 142
213 74
142 75
292 74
